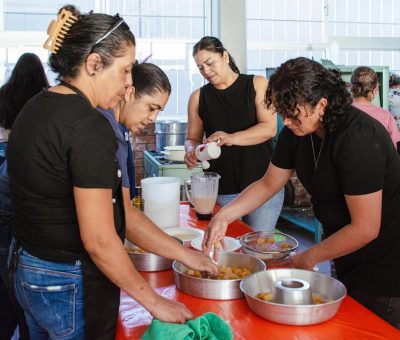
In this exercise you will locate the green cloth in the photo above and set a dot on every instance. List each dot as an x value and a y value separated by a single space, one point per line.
208 326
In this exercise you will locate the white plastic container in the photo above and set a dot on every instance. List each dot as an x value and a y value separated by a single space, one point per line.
161 200
205 152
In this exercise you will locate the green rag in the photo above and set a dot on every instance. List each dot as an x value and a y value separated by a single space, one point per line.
208 326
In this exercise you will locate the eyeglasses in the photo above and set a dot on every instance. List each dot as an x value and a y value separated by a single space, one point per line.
112 29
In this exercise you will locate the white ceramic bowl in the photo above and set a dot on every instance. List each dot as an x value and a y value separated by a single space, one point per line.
185 234
231 243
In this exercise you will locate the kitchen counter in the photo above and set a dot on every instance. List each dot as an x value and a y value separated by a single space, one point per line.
353 321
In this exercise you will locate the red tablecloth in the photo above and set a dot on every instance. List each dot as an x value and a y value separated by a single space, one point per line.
353 321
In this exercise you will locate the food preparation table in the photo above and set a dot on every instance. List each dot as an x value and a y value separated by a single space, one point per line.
353 321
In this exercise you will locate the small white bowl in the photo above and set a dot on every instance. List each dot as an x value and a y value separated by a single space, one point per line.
185 234
231 243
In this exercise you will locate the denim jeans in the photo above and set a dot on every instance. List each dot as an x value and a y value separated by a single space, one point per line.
265 217
386 307
8 317
52 297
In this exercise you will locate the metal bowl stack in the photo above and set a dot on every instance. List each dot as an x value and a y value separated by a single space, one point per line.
212 288
330 290
148 262
268 245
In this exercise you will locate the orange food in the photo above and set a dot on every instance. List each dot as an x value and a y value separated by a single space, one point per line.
267 296
224 273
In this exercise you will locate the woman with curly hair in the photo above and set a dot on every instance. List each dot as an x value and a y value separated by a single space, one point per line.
347 162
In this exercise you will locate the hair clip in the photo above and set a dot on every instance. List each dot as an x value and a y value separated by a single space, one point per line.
58 29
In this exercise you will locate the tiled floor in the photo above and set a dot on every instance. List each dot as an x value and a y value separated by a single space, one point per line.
305 239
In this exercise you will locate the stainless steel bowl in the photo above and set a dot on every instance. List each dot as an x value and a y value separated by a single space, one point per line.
325 286
268 251
292 292
216 289
148 262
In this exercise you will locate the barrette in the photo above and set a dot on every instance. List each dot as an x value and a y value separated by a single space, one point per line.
58 29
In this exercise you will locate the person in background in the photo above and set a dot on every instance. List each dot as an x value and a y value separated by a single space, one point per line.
230 109
394 98
364 87
27 79
346 161
67 254
147 96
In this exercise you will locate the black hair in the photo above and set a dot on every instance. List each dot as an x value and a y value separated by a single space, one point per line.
363 80
394 79
27 79
81 40
213 44
149 79
302 81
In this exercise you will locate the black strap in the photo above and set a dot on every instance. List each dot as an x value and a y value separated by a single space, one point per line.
76 90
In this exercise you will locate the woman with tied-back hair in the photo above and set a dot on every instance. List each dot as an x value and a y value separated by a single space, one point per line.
69 261
346 161
27 79
147 96
230 109
364 87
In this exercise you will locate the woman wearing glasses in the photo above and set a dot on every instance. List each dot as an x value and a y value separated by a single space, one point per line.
68 256
230 109
347 162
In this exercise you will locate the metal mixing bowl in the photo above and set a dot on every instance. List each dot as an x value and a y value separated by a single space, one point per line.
325 286
268 251
148 262
216 289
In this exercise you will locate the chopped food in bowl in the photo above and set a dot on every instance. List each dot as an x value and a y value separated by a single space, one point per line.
268 245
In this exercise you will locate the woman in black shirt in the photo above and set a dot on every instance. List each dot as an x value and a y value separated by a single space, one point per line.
66 190
230 109
347 162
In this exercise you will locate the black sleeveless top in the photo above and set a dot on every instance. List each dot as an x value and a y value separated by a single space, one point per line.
231 110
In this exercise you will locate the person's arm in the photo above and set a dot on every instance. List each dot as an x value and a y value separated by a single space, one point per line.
96 224
141 231
365 213
265 128
195 130
249 199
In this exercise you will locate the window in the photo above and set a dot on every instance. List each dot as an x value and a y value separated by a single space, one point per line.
350 32
166 29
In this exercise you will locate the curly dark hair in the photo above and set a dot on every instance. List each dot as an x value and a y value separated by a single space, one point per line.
302 81
27 79
81 40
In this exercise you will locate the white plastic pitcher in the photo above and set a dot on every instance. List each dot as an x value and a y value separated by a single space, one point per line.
203 193
161 200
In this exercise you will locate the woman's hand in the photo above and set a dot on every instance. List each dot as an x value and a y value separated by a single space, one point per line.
199 261
215 233
170 311
190 159
222 138
301 261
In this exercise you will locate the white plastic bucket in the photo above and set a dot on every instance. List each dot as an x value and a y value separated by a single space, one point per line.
161 200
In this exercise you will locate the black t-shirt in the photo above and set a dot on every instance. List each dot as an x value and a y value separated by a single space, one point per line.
231 110
57 142
356 159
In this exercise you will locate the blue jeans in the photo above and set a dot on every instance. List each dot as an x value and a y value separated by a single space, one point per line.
387 307
52 297
265 217
8 317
